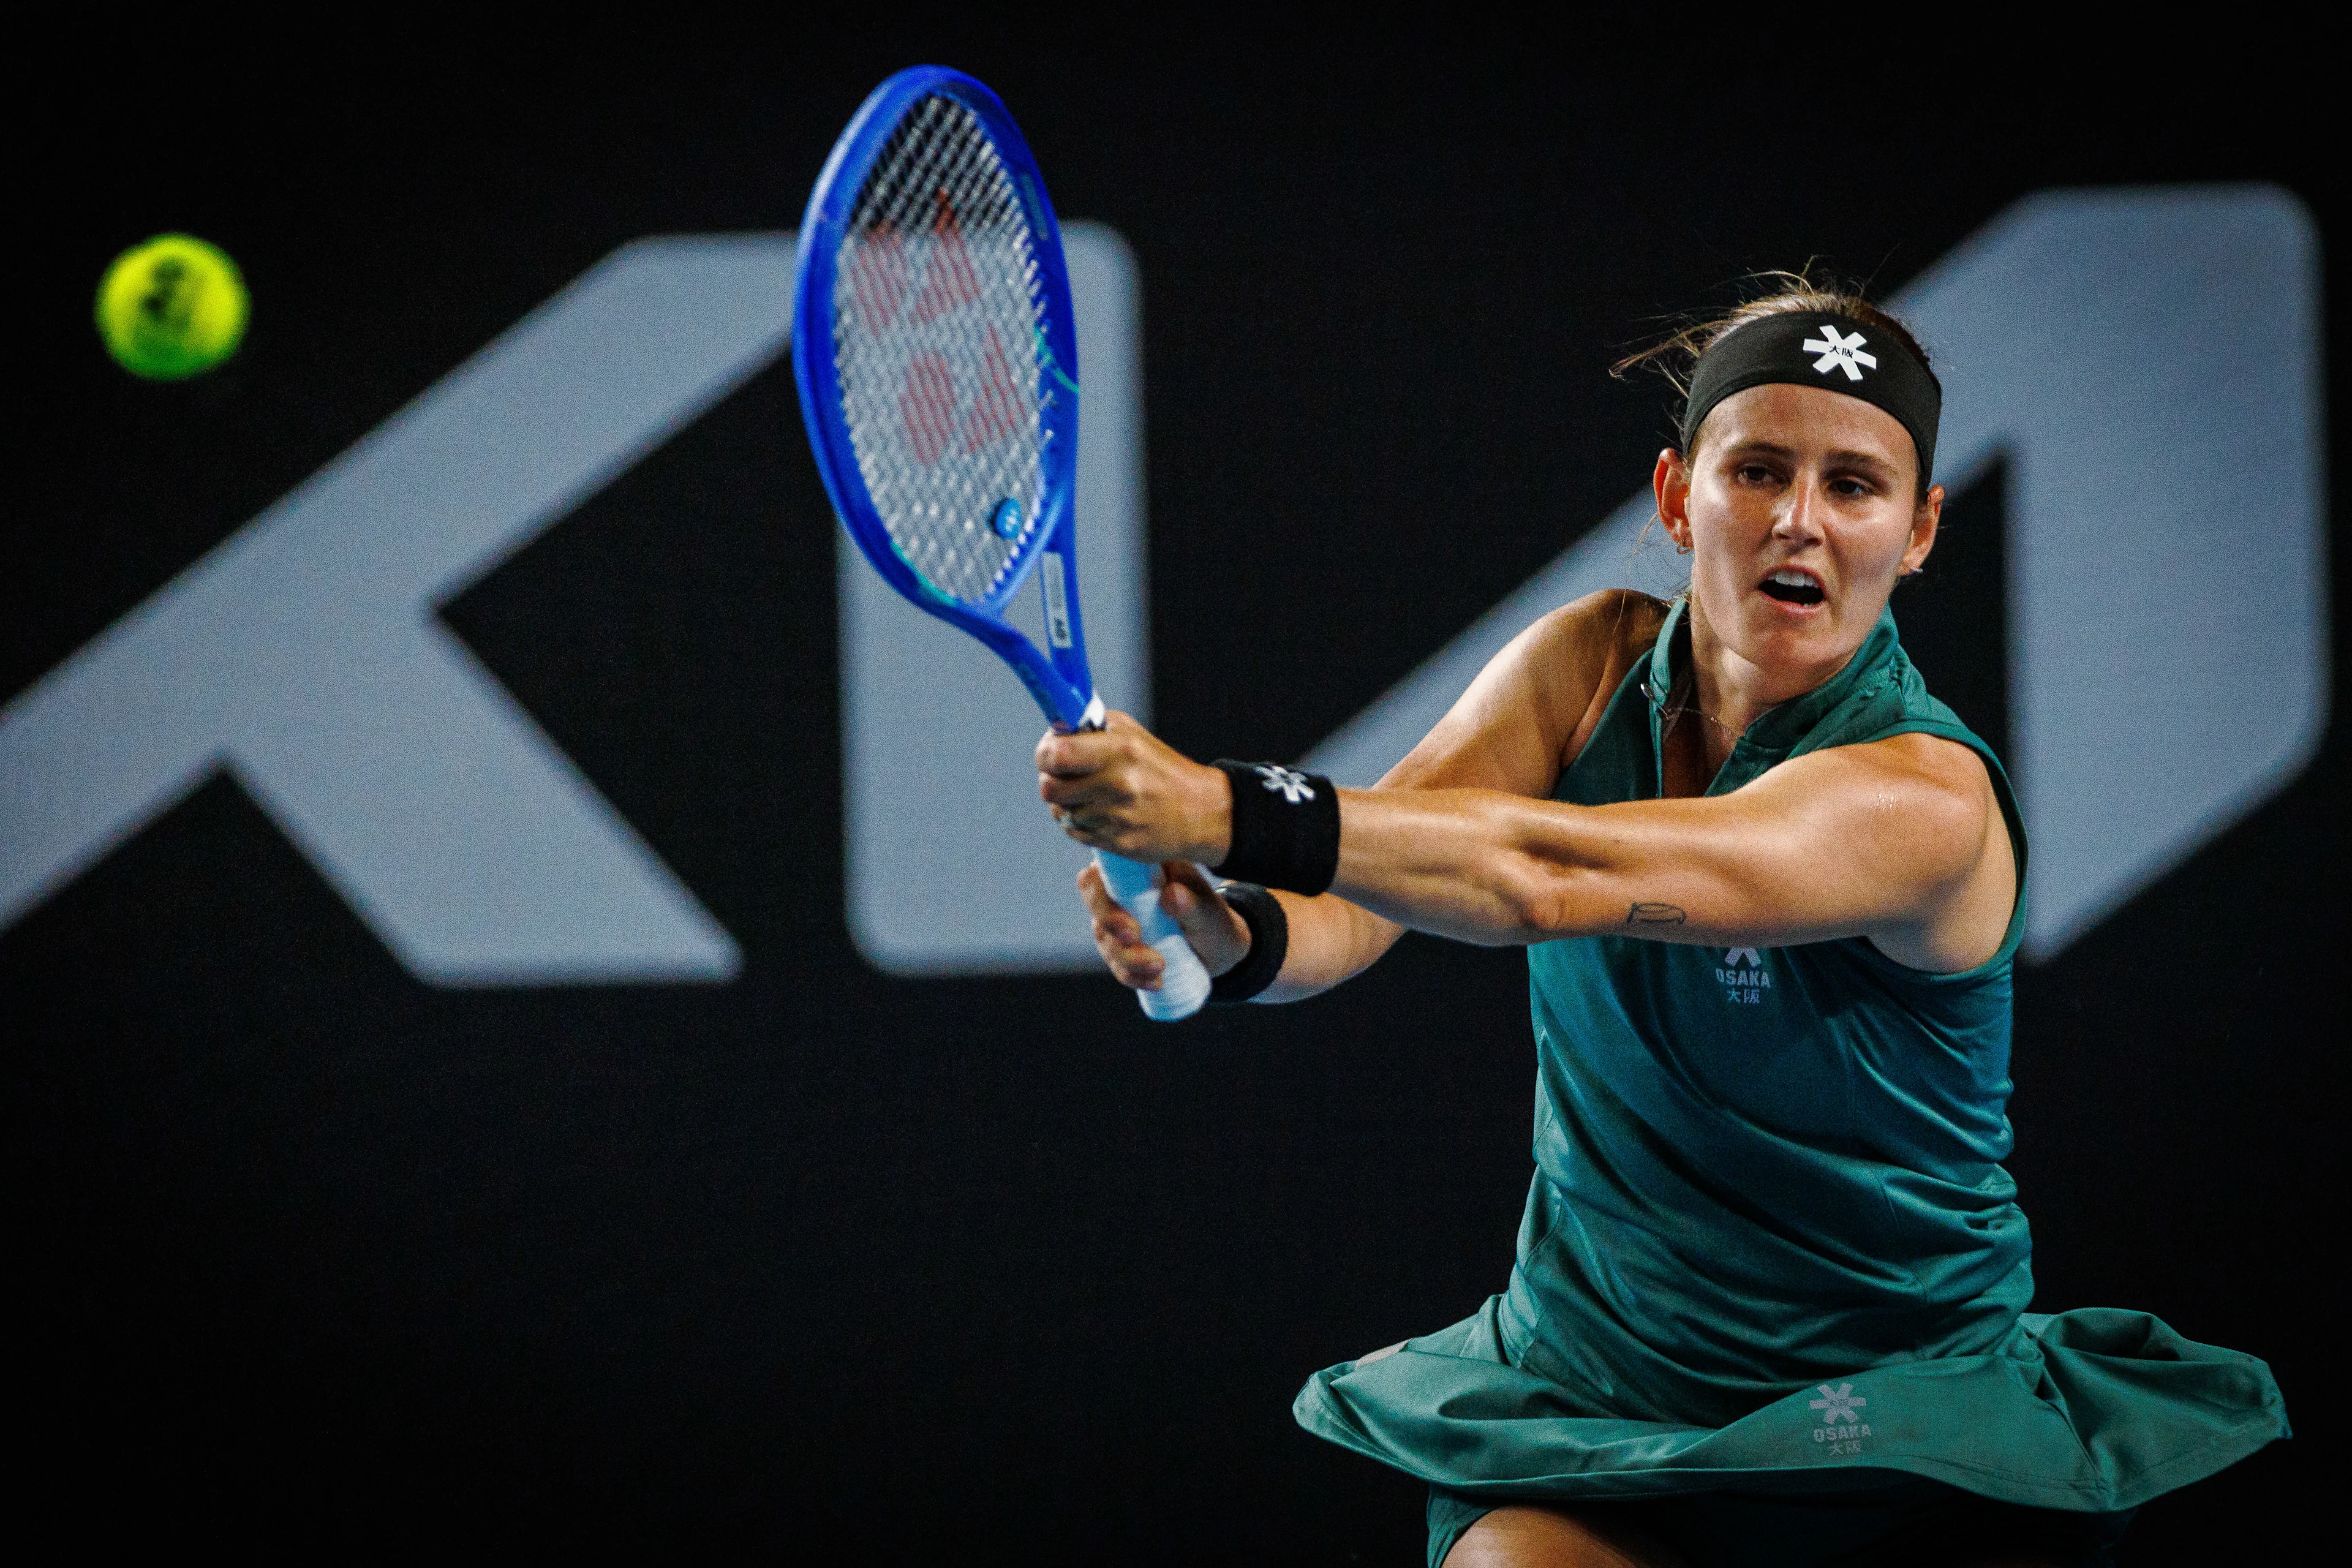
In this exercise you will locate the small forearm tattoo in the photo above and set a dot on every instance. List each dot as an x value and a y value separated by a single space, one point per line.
1655 915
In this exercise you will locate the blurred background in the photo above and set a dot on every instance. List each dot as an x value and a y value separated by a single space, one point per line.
749 1227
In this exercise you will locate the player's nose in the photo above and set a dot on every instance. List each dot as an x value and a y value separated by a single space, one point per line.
1796 519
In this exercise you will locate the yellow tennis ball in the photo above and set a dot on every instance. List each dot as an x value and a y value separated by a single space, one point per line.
172 308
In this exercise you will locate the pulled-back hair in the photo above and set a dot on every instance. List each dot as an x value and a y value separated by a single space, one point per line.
1790 293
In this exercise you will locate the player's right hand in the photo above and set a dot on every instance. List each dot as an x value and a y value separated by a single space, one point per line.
1216 931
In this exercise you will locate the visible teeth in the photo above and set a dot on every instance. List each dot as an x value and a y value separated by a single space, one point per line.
1792 579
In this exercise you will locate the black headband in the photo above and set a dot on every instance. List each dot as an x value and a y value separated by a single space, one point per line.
1806 349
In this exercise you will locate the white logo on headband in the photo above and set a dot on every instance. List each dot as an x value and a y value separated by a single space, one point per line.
1840 354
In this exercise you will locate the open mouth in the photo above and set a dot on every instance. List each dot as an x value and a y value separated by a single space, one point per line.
1793 586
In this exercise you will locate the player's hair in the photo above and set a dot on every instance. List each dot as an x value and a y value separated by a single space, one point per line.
1806 291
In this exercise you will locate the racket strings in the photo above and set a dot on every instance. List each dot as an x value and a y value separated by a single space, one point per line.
937 313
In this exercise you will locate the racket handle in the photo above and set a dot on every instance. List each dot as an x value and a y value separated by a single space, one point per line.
1183 982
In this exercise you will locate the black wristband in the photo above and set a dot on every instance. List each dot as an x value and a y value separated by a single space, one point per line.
1269 930
1286 827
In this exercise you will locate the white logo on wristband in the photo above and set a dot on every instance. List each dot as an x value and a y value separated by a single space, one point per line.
1292 786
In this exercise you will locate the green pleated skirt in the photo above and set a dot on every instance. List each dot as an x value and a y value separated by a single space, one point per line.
2093 1411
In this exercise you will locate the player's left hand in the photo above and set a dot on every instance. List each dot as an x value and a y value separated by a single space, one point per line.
1219 937
1125 790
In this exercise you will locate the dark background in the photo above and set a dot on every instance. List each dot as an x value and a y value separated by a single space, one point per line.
306 1250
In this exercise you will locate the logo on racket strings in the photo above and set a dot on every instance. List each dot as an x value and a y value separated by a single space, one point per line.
936 416
919 289
1291 786
1839 352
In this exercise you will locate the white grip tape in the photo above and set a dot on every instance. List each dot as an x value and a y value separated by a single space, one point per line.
1183 982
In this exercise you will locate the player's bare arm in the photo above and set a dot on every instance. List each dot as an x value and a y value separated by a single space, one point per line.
1517 727
1900 841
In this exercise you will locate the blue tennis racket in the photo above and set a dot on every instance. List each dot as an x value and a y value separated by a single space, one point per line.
938 375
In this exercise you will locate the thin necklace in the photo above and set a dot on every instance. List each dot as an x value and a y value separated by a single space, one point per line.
1683 699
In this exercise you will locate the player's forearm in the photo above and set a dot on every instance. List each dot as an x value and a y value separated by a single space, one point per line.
1331 941
1484 867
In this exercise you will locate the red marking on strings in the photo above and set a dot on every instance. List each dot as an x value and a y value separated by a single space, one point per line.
927 405
949 281
998 411
878 276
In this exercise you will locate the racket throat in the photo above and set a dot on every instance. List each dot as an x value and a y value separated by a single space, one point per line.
1096 717
1053 583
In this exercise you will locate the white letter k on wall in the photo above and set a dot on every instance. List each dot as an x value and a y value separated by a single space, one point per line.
304 655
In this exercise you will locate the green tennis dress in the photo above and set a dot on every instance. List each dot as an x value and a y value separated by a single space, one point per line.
1769 1248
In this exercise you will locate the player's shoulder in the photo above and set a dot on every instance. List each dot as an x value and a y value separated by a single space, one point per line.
1934 761
1936 784
1565 666
1609 628
1523 718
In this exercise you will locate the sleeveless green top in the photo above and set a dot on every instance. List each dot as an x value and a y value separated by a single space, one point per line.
1770 1246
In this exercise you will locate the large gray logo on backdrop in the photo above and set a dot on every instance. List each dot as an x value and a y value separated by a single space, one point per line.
2146 362
303 655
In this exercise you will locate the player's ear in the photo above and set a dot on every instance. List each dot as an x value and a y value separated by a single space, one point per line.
1670 482
1924 521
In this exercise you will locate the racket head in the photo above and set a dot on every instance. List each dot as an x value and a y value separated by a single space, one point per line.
936 353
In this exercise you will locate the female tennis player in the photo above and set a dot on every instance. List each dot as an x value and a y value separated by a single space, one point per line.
1768 1301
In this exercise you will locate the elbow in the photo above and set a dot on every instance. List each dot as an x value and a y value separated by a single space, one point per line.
1537 901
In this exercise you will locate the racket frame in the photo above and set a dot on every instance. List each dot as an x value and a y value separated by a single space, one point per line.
1058 678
